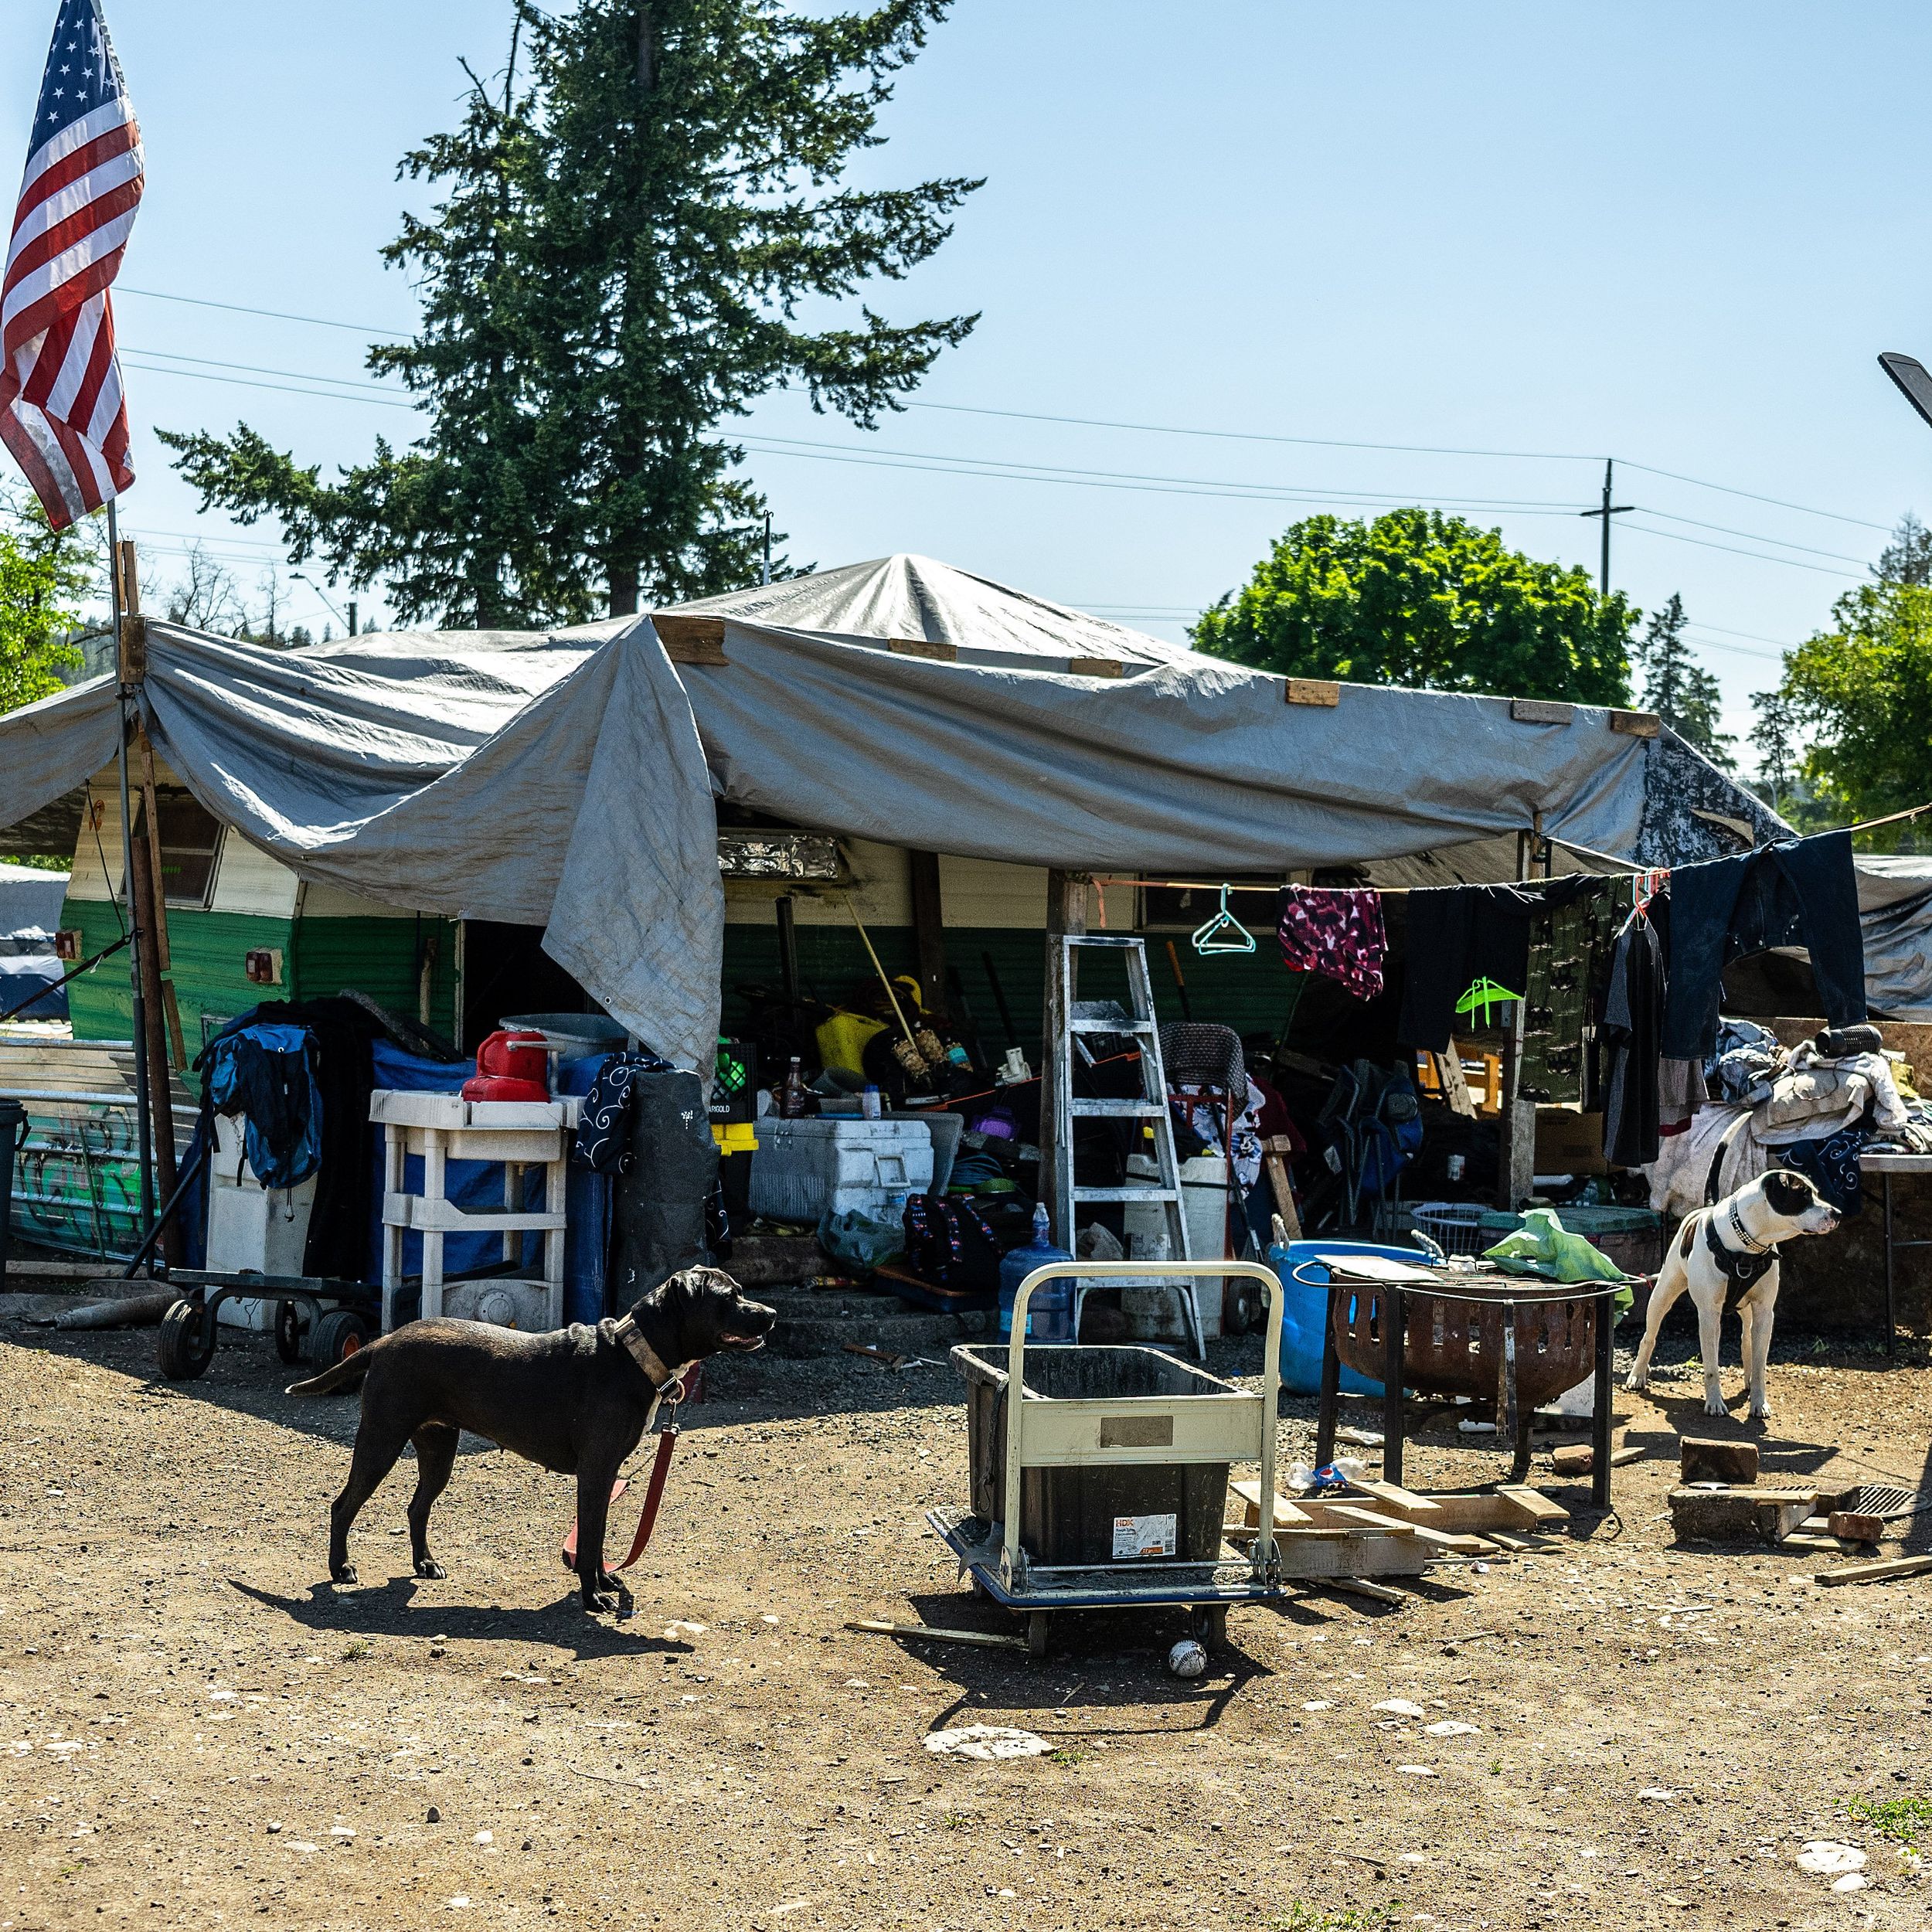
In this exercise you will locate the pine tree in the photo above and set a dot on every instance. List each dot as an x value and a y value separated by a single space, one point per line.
615 270
1907 559
1678 690
1775 738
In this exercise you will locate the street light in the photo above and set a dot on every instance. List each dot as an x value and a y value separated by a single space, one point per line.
348 622
1913 378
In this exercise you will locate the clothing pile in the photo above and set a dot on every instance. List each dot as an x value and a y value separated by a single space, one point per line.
1815 1107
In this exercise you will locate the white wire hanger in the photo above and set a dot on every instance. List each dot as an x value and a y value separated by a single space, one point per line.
1223 933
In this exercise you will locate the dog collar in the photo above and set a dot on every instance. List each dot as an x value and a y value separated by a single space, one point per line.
646 1358
1751 1245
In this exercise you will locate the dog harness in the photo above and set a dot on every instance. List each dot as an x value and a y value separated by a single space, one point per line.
1742 1269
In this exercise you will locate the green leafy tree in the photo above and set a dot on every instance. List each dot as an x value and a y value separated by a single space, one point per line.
617 268
1679 689
44 573
1427 600
1865 689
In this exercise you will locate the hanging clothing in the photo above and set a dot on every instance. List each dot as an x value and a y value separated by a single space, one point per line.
1803 893
1832 1166
1457 935
1337 933
603 1120
1633 1014
267 1074
1680 1095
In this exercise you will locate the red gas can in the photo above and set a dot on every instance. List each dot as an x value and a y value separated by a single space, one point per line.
510 1066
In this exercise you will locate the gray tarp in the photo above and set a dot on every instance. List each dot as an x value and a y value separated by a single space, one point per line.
568 780
1895 914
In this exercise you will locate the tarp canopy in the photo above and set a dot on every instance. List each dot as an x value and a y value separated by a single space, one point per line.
1895 915
568 779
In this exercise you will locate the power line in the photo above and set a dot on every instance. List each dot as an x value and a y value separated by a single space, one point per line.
240 382
1148 429
273 314
254 369
1703 543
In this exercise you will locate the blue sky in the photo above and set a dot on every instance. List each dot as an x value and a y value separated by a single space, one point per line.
1675 235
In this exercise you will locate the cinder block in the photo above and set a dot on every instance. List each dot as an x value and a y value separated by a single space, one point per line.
1701 1459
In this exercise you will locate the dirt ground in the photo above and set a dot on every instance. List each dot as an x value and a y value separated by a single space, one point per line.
199 1731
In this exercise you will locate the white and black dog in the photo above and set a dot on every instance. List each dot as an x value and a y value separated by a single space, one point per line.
1726 1255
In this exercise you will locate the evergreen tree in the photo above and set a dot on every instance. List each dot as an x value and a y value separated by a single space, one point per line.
1678 690
615 269
1907 559
1775 738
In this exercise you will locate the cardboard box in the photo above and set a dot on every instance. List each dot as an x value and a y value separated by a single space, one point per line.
1568 1142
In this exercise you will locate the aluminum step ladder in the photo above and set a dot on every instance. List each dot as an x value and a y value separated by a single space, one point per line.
1072 1022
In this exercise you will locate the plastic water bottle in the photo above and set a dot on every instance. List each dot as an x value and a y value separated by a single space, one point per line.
1049 1314
870 1107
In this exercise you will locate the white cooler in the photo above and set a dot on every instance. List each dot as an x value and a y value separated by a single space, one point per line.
805 1170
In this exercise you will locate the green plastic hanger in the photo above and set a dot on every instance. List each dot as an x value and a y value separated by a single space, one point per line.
1485 994
1223 933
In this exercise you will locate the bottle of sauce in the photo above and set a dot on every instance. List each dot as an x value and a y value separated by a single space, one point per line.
794 1102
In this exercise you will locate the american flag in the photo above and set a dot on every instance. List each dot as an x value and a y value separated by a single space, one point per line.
62 411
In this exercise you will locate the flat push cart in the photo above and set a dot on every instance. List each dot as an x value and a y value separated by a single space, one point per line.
1119 1457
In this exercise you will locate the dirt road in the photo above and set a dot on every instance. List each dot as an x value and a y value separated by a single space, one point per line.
198 1731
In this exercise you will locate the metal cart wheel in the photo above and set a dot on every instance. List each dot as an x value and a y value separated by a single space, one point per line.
1036 1633
337 1336
288 1331
185 1345
1208 1623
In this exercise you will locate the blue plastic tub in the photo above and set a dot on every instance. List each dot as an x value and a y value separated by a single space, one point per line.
1304 1307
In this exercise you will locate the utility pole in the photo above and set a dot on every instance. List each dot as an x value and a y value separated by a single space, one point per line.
767 577
351 617
1608 510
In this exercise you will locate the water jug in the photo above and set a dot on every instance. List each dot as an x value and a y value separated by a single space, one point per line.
1049 1314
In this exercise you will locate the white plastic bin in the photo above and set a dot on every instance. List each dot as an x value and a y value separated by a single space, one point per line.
805 1169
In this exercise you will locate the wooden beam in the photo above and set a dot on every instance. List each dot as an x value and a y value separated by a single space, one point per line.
929 929
690 640
1875 1572
1455 1083
1066 913
1323 693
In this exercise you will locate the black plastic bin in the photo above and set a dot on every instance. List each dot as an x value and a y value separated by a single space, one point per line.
1067 1515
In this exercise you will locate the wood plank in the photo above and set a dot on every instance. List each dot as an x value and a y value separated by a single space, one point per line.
1541 711
1398 1501
1353 1513
1250 1492
1320 692
1533 1504
1359 1586
1636 724
877 1626
1874 1573
690 639
1096 667
939 652
1455 1083
1274 1148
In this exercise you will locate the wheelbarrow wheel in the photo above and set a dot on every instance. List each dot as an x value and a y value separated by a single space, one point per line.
288 1331
338 1335
1036 1633
1207 1624
185 1345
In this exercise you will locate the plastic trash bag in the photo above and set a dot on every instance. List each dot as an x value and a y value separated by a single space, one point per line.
859 1241
1543 1246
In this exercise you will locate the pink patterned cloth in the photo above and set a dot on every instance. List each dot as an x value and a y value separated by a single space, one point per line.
1337 933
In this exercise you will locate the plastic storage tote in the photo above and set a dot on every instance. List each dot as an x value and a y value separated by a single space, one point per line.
1075 1513
805 1170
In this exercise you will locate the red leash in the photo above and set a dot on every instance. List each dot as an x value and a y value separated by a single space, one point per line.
653 1496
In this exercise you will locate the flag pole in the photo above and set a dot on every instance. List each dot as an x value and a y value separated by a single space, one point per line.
143 1141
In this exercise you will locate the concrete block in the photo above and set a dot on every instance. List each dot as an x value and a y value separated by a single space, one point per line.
1703 1460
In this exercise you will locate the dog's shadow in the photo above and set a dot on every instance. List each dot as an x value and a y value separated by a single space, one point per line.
391 1609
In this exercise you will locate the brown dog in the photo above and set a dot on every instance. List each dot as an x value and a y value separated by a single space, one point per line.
576 1400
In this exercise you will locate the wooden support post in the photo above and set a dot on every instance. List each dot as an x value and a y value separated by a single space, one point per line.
929 929
1066 913
1455 1083
1275 1151
1516 1138
154 1046
151 813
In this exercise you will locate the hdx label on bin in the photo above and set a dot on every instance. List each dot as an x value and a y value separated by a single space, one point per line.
1143 1536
